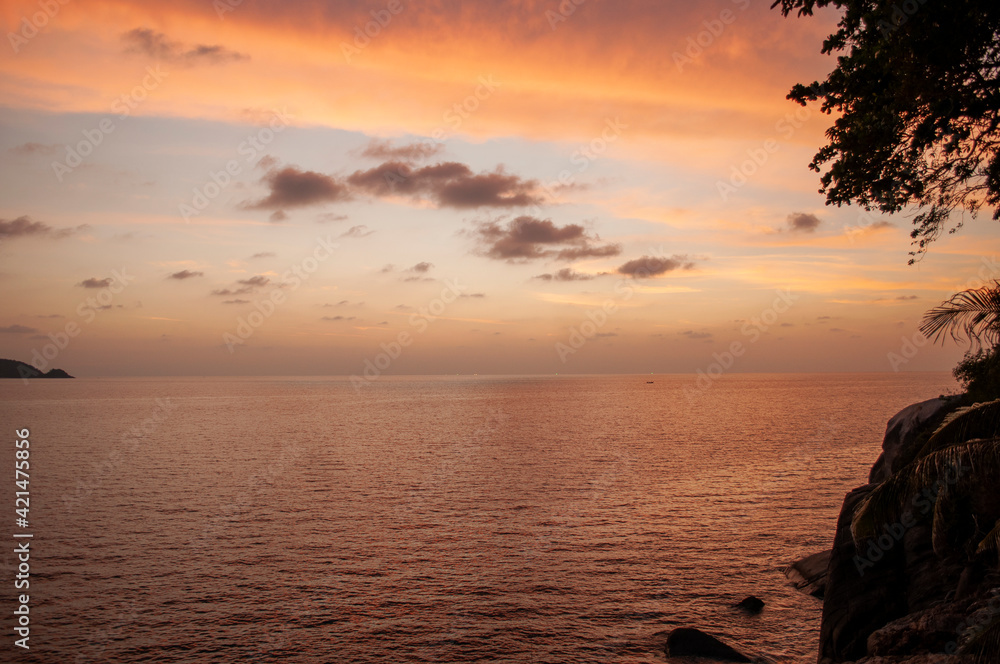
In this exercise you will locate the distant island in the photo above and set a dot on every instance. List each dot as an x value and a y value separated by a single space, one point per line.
18 369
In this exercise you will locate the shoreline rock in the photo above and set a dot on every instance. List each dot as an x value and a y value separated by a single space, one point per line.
893 600
688 641
809 574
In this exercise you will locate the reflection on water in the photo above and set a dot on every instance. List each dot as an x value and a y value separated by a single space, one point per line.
532 519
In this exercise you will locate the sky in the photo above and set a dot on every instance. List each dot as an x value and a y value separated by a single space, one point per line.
230 187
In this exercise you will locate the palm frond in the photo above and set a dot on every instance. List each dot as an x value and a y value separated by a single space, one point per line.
973 314
981 420
978 460
992 540
984 647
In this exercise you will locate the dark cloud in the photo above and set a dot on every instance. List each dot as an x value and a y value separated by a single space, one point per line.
565 274
247 287
34 148
278 216
17 329
477 295
49 316
907 297
691 334
357 231
379 149
263 254
802 222
156 45
291 187
421 267
333 318
236 301
527 238
24 227
447 184
654 266
94 282
329 217
185 274
387 268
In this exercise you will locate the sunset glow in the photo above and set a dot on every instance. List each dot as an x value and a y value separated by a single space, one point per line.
233 188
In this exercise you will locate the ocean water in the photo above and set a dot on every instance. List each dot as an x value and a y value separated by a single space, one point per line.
430 519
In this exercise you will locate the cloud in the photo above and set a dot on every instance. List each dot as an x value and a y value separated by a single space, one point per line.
387 268
328 217
802 222
267 162
24 227
144 41
654 266
379 149
476 295
247 286
185 274
17 329
333 318
34 148
527 238
263 254
907 297
94 282
421 267
447 184
278 216
691 334
291 187
236 301
357 231
565 274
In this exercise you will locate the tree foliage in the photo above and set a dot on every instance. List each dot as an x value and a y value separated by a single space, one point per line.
973 314
917 94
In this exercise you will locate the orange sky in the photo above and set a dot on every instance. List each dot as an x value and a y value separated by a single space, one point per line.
626 174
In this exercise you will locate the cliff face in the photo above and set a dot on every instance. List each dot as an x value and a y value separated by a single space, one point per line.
892 599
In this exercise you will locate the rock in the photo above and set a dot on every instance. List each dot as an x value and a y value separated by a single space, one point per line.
809 574
882 582
920 633
858 601
903 437
690 641
751 604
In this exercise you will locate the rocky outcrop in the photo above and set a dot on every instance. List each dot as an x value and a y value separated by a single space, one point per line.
687 641
892 599
809 574
906 433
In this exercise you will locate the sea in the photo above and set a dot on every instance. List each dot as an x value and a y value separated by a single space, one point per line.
427 518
